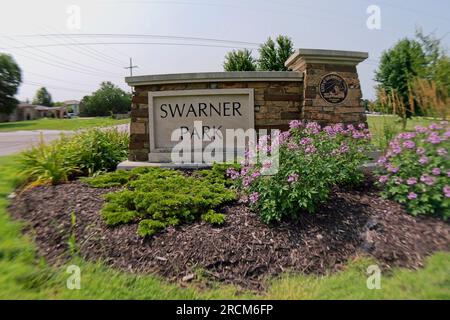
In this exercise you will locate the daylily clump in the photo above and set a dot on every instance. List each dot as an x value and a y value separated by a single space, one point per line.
302 166
416 170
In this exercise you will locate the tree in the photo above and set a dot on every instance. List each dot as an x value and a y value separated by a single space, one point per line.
273 55
107 100
10 79
399 66
438 62
43 98
240 60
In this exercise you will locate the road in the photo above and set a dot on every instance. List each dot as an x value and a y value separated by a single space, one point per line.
16 141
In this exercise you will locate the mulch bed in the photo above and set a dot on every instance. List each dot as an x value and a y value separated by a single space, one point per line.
244 251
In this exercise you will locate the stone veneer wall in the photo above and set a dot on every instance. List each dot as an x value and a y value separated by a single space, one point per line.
276 104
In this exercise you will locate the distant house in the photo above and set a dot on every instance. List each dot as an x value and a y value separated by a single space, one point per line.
26 111
74 105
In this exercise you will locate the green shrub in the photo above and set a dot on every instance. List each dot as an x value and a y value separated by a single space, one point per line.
45 164
416 170
114 179
157 198
85 153
213 217
97 150
311 161
149 227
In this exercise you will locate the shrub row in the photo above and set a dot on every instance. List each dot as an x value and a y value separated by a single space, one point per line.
85 154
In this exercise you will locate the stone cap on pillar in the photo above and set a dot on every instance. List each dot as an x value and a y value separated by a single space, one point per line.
301 57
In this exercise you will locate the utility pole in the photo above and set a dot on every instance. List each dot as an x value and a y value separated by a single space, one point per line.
131 67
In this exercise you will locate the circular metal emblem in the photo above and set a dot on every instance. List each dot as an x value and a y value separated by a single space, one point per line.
333 88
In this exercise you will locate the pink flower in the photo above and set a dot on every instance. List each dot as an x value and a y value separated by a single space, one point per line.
406 135
284 136
254 197
409 144
310 149
383 179
362 126
330 131
411 181
423 160
256 174
435 126
232 173
441 151
382 160
305 141
392 168
412 196
247 181
358 135
436 171
295 124
428 180
338 127
313 127
292 146
420 129
434 138
446 190
420 151
395 147
344 148
292 178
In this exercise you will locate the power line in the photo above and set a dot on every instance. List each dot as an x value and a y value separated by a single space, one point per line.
38 84
155 36
57 79
58 66
133 43
97 55
66 62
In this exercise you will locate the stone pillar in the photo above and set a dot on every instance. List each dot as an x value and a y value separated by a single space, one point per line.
331 91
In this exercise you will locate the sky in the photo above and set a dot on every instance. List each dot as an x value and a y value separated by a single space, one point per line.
70 47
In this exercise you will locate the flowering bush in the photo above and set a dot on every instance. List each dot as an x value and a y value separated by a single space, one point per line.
416 170
311 161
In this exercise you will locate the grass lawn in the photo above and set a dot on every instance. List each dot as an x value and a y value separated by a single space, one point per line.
60 124
24 276
385 127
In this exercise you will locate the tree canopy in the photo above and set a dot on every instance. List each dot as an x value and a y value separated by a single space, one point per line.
409 60
10 79
273 54
43 98
108 99
240 60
